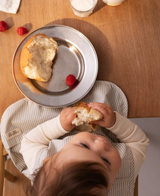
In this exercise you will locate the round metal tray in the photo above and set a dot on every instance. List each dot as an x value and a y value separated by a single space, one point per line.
76 55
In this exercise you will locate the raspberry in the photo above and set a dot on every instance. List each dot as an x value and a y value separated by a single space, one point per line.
21 30
3 26
70 80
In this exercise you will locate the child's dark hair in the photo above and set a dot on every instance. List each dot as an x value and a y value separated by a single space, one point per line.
75 179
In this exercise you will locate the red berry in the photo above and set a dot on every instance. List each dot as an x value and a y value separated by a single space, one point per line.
3 26
21 30
70 80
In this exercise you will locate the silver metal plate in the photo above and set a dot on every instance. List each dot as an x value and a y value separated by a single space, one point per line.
76 55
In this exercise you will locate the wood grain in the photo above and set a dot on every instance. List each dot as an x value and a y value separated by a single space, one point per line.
126 39
20 186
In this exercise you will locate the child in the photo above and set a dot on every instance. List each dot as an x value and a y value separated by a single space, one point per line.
88 163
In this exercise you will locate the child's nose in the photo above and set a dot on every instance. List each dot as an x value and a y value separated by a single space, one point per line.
101 145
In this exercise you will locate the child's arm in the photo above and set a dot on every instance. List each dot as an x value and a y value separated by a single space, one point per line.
126 131
38 139
130 134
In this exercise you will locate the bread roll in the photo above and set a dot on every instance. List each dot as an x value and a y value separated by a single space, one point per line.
84 115
37 56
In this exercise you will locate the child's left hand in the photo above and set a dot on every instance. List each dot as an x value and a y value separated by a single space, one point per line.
66 117
109 117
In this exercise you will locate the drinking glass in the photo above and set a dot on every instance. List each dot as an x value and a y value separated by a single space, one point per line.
83 8
113 2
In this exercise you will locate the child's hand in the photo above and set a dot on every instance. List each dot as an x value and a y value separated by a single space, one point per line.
66 117
109 117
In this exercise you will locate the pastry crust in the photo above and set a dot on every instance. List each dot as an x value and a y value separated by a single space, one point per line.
38 67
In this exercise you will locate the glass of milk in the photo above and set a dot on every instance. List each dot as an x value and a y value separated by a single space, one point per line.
113 2
83 8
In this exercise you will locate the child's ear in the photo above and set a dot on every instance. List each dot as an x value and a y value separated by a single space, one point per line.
46 160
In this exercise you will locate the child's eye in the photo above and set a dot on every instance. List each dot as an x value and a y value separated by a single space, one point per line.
105 160
84 145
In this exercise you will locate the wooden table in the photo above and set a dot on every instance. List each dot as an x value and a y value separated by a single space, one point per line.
126 39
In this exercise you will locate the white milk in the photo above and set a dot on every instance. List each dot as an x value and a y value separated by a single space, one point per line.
113 2
83 8
82 5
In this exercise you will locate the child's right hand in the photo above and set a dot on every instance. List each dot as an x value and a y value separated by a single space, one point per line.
109 117
66 117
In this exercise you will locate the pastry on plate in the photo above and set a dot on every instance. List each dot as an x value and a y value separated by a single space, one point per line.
36 57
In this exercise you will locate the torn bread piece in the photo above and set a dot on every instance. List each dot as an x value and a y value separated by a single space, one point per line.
36 57
84 115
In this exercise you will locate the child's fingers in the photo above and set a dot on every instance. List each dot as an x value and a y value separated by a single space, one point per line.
69 110
93 104
107 112
102 108
71 116
97 104
98 122
66 118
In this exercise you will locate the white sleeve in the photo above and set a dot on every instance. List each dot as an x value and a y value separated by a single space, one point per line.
38 139
130 134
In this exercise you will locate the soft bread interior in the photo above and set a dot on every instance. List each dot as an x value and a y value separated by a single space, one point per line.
42 51
84 115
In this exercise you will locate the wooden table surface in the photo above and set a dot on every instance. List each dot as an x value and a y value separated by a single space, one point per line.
126 39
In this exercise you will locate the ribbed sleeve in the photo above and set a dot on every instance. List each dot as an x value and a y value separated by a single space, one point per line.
130 134
37 140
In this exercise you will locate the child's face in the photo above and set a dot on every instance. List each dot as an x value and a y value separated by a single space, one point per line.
88 147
